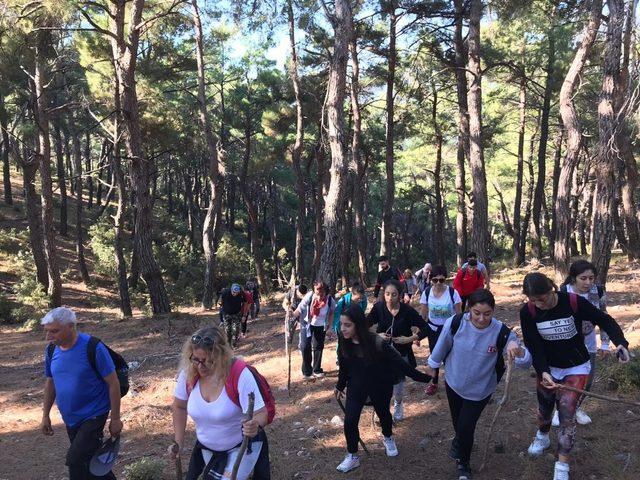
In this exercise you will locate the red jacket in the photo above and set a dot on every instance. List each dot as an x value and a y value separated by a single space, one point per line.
467 282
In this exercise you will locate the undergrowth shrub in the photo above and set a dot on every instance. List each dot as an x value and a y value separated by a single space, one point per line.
146 468
102 237
6 309
624 377
33 301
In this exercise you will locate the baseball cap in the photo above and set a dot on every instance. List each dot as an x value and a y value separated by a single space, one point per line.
235 288
104 458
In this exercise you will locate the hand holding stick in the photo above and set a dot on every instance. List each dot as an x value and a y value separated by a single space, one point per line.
245 440
175 450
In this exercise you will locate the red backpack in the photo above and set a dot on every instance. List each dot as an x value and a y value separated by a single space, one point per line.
231 387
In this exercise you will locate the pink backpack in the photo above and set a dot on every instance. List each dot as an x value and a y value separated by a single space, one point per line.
231 387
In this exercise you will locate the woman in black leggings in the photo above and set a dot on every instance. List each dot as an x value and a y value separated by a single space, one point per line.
369 367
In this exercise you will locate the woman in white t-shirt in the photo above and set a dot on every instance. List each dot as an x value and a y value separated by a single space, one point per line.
202 392
581 281
439 302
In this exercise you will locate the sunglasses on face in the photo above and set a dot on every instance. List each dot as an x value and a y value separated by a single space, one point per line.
197 361
438 280
200 340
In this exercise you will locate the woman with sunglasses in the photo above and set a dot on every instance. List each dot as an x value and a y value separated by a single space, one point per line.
369 367
201 393
395 322
439 302
552 326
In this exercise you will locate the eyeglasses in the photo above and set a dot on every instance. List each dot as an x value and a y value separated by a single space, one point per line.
200 340
197 361
438 280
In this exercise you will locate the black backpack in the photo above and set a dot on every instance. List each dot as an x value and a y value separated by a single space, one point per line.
122 369
503 337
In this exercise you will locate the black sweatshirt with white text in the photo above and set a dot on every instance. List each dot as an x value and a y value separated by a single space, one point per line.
554 337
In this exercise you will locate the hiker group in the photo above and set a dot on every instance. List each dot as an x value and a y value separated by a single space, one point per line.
231 403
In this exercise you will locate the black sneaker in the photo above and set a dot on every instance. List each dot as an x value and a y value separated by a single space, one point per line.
464 471
454 453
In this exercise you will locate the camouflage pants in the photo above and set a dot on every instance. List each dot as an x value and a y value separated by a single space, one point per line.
232 327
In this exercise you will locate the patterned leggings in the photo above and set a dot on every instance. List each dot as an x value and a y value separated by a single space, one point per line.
567 403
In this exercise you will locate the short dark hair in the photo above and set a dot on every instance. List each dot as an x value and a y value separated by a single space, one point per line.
439 270
383 258
482 295
472 255
536 283
472 262
302 288
322 285
357 288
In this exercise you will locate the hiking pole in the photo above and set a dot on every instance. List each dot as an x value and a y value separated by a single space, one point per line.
287 347
364 447
501 403
175 449
245 440
597 395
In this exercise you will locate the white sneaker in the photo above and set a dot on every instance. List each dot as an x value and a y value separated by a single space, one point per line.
540 443
556 419
349 463
390 446
398 411
561 471
582 418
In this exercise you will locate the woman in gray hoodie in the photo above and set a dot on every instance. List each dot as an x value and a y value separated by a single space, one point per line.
471 346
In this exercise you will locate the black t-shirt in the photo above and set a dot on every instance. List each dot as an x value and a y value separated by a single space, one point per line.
385 275
554 337
232 303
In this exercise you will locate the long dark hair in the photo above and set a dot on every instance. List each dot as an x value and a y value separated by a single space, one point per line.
366 338
577 268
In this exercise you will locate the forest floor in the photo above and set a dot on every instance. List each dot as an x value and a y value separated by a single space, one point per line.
606 449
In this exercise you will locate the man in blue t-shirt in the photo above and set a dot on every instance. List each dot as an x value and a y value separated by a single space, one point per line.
84 400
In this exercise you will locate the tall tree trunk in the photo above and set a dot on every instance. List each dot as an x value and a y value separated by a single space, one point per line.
62 182
544 138
34 220
88 167
77 163
318 201
461 58
437 183
571 122
6 167
629 180
125 51
390 192
608 162
252 209
296 151
334 203
361 166
522 108
480 224
121 211
43 154
557 156
209 244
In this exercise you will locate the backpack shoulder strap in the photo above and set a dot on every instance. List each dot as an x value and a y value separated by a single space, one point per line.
192 384
231 385
91 353
573 300
455 323
563 287
503 337
600 291
427 292
532 309
452 294
49 355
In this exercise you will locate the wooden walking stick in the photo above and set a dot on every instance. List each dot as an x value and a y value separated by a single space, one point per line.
501 403
175 449
597 395
245 440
